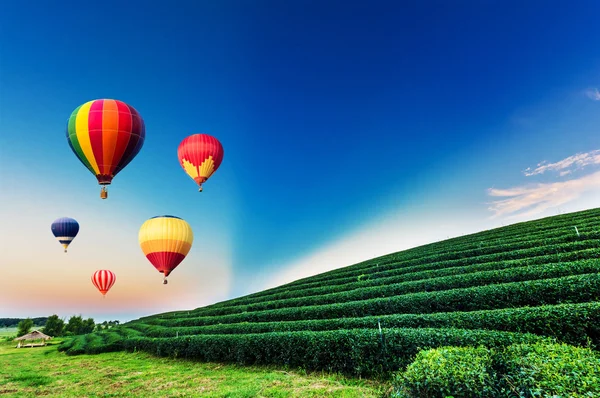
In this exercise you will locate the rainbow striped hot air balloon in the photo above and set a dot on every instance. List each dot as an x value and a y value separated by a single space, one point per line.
103 280
105 135
200 155
65 229
165 241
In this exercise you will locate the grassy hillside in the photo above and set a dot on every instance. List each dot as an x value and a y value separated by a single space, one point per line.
43 371
523 283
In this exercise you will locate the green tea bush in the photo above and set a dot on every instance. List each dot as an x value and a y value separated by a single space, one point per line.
66 344
498 252
570 323
460 372
557 370
524 370
427 271
540 254
568 289
356 352
480 278
75 346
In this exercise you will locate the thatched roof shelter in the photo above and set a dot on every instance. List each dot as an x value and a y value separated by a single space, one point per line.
35 335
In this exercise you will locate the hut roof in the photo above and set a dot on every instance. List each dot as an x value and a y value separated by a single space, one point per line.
36 334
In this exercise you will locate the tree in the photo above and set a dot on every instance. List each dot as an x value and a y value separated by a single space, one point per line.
24 327
74 325
87 326
77 325
54 326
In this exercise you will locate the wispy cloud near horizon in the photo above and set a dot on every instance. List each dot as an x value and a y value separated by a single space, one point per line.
593 94
531 199
567 165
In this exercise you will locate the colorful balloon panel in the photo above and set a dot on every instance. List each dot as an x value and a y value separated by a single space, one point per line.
165 241
103 280
200 155
105 135
65 229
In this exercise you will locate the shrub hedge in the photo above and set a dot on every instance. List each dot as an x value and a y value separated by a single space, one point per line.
569 323
569 289
520 370
525 273
356 352
427 271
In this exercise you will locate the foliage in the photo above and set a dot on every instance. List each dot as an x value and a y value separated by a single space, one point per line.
428 271
106 325
449 371
355 352
14 322
24 327
43 372
482 290
535 370
571 323
573 289
76 325
481 278
54 326
521 370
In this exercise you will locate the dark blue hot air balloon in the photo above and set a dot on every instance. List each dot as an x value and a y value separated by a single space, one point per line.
65 229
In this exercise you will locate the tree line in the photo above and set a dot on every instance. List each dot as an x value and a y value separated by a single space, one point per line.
56 327
13 322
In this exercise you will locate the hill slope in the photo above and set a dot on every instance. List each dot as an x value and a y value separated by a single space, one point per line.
521 283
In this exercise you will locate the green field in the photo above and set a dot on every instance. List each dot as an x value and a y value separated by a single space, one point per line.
31 372
506 293
5 332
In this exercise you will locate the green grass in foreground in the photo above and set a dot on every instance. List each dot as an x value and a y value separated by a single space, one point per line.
29 372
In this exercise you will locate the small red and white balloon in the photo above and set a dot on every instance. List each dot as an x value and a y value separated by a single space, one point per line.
103 280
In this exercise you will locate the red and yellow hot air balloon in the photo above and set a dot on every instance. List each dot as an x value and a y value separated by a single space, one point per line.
165 240
200 155
103 280
105 135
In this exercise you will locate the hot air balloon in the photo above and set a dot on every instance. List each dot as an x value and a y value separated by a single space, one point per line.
65 229
105 135
103 280
200 155
165 240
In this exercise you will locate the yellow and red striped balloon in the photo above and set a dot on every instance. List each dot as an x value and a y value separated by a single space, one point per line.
103 280
165 241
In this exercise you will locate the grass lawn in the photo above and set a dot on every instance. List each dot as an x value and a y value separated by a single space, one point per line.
4 332
29 372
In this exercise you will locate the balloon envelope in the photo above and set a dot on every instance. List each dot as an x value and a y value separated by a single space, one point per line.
105 135
165 241
200 155
65 229
103 280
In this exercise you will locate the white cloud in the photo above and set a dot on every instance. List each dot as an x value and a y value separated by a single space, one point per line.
535 199
593 94
568 165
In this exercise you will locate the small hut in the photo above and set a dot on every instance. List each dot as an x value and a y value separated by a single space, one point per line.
33 336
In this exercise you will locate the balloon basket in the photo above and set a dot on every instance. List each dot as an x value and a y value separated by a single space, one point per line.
103 193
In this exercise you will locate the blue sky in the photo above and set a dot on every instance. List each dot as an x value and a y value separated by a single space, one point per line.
344 124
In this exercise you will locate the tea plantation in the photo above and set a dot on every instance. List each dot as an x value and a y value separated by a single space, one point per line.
478 297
